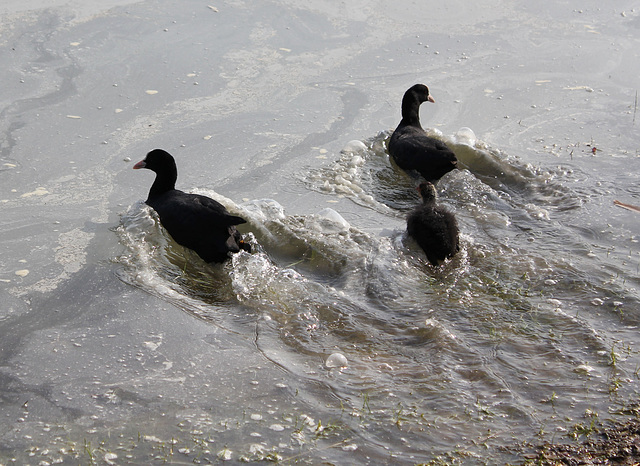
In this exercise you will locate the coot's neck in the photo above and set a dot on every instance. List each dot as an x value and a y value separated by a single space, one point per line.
410 111
428 194
429 200
165 181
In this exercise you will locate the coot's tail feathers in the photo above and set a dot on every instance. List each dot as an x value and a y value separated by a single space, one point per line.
234 220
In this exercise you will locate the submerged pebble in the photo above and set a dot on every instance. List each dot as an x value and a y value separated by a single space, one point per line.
583 369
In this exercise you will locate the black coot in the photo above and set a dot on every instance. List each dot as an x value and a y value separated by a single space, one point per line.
194 221
433 227
410 146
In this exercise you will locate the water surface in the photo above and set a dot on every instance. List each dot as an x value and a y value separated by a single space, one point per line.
119 346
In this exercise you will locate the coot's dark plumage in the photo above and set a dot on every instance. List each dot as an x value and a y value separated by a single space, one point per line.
194 221
433 227
410 146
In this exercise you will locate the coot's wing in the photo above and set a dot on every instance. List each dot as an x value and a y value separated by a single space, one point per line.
413 149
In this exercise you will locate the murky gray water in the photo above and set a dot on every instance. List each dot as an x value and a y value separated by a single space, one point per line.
119 346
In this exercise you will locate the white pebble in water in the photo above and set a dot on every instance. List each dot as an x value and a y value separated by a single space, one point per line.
336 360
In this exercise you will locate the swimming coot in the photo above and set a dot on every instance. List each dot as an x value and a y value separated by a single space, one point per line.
411 148
433 227
194 221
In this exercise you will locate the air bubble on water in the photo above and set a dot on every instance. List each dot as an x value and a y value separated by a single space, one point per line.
336 360
265 209
465 136
330 221
354 147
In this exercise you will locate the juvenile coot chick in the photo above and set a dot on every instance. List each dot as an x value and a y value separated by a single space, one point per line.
194 221
433 227
411 148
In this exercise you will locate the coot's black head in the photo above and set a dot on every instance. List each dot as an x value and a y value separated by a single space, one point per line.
420 93
157 160
428 192
163 164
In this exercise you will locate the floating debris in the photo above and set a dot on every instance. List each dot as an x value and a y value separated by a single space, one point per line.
151 92
631 207
579 88
39 191
22 273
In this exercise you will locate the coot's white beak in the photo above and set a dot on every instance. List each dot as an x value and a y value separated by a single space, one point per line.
430 99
